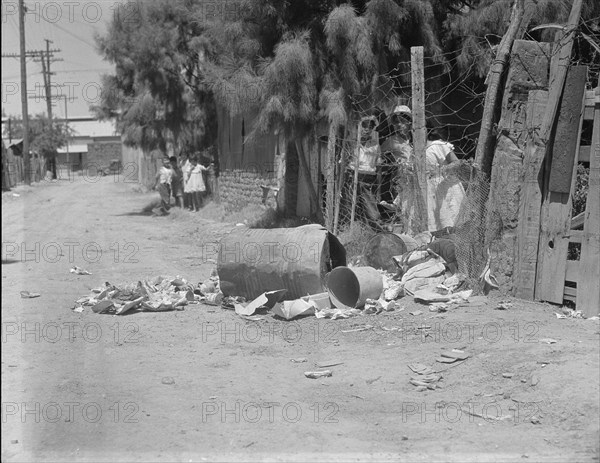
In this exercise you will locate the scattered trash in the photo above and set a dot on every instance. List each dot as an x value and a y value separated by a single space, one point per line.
395 291
507 375
364 328
456 354
430 268
252 318
79 271
548 341
438 307
452 356
371 381
28 295
420 284
426 378
78 309
428 296
299 360
489 281
158 295
416 312
168 380
102 306
337 313
595 317
568 313
320 301
293 309
328 364
318 374
266 300
215 299
535 379
504 305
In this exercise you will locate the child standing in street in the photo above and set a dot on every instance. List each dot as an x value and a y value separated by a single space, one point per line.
162 183
195 183
176 182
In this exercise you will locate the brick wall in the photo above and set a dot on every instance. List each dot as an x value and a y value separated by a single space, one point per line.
100 153
239 189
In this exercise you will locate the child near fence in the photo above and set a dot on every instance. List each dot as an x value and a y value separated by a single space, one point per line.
194 184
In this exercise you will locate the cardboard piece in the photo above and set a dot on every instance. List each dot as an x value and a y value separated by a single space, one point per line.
293 309
267 299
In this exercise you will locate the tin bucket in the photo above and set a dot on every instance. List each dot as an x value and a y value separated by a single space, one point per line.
351 287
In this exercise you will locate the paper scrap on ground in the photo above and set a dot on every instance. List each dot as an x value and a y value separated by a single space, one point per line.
160 294
328 364
267 300
318 374
28 295
292 309
79 271
337 313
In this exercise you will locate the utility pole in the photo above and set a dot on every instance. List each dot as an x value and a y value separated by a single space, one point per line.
46 57
26 160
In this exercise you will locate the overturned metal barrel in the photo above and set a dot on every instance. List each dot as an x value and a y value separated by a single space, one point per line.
253 261
351 287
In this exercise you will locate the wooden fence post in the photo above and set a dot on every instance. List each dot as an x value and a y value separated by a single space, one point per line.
330 193
419 134
355 183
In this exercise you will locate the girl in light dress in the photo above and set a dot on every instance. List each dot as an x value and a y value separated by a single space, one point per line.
194 184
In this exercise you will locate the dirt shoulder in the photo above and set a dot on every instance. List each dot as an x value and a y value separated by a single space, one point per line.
80 387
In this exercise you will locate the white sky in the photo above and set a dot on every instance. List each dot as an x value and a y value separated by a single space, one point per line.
71 25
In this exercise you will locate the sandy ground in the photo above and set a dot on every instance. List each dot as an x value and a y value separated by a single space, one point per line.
89 387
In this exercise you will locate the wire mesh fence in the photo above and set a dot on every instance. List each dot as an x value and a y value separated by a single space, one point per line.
388 194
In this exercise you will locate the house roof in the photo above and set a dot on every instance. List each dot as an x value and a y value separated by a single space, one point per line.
93 128
9 144
74 148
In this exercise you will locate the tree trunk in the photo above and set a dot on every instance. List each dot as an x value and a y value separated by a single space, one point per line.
485 145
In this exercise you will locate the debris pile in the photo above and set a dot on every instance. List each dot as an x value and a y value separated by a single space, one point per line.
157 295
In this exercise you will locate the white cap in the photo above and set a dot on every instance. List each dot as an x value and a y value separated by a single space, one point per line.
402 109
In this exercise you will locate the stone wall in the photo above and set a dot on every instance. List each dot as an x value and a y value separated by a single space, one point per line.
238 188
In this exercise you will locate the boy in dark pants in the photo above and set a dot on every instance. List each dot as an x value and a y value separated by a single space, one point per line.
176 182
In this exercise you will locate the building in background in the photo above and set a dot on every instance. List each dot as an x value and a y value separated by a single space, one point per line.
92 144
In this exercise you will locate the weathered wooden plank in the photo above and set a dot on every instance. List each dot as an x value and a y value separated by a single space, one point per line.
555 222
588 113
534 157
584 153
530 201
570 294
573 271
566 135
576 236
589 287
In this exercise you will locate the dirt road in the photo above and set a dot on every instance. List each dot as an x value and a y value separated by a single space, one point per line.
204 385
